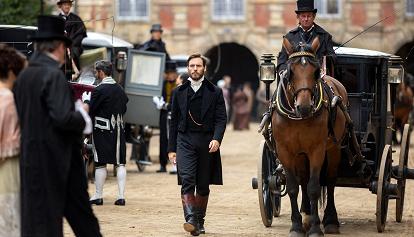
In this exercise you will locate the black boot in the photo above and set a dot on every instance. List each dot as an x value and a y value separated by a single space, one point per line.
190 225
201 202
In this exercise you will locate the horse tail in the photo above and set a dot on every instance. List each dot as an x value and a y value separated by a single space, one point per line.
323 197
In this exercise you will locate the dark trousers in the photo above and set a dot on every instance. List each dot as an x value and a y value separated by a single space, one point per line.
36 217
163 138
193 162
78 211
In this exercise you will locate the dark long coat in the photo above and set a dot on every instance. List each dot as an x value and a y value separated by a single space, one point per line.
156 46
108 102
50 137
295 36
213 118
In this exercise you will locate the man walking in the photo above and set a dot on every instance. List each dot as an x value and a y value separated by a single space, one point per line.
198 122
107 108
53 183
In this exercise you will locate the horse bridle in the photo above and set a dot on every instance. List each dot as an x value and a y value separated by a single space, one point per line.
295 92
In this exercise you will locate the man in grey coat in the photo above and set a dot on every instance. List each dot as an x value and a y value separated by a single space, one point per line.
53 182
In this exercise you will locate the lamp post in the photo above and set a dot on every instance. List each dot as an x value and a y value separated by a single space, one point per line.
267 72
41 7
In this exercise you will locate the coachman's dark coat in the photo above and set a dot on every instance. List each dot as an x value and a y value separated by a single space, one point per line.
52 176
213 118
108 102
297 35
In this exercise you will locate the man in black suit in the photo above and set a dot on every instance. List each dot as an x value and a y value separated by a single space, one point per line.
198 122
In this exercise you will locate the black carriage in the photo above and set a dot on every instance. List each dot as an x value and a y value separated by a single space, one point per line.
371 78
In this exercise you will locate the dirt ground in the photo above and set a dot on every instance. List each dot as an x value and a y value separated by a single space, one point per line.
153 205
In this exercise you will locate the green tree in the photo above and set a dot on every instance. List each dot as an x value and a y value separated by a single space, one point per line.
21 12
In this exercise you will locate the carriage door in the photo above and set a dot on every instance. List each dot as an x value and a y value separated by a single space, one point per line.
144 77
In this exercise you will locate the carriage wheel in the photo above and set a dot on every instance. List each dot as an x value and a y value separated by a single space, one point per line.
384 179
264 172
405 143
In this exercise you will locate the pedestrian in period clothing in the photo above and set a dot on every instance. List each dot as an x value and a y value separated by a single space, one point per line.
305 33
53 181
164 105
155 44
11 63
76 31
241 112
107 107
198 122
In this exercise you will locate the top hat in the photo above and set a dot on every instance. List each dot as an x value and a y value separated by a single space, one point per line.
305 6
156 27
50 28
63 1
170 66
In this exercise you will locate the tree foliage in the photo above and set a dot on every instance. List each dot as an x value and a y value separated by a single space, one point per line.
21 12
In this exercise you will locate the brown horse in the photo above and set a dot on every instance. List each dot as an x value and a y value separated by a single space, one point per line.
403 107
303 138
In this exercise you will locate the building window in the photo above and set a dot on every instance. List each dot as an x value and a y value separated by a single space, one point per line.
228 10
328 8
410 8
133 9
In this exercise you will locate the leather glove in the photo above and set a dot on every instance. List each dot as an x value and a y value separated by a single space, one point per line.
86 96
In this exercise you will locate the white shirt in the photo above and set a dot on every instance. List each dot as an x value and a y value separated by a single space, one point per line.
195 85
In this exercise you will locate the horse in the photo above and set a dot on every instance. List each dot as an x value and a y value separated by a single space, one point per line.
304 136
403 108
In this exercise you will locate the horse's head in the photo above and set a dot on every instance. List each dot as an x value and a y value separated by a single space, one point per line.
303 73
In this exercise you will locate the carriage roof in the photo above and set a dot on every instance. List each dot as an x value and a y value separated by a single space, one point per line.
356 52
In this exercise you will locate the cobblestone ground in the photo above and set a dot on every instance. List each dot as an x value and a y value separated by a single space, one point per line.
153 205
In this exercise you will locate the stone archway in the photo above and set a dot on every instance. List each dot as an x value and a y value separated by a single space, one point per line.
403 52
234 60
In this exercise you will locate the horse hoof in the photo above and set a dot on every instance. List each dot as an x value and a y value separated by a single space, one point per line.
332 229
296 234
316 235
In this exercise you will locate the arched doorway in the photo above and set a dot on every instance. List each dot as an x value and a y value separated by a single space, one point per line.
403 53
234 60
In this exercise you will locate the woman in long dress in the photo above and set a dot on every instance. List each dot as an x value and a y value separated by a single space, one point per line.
11 63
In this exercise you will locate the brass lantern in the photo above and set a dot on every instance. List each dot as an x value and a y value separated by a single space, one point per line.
267 72
121 61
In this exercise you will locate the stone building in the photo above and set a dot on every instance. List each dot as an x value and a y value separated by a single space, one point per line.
234 33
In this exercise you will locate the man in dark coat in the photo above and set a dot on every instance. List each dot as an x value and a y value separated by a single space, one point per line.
168 85
76 31
107 107
155 43
306 31
53 182
198 122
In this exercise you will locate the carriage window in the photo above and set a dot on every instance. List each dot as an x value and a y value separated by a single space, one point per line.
228 10
348 75
410 8
328 8
133 10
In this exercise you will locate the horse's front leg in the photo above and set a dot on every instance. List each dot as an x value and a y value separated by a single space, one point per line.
316 159
292 186
330 217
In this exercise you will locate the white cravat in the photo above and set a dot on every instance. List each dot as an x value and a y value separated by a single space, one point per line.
196 84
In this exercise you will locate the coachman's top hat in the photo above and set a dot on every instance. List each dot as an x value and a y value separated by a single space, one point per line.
170 66
305 6
51 28
63 1
156 27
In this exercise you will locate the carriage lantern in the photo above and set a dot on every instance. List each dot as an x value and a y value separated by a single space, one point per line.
395 70
121 61
267 72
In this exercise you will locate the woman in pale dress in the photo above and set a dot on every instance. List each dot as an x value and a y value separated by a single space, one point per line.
11 63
